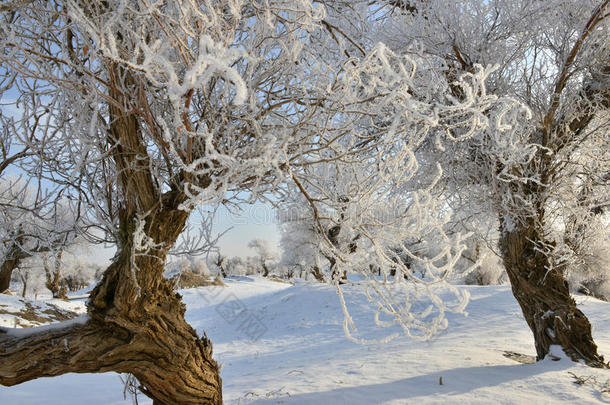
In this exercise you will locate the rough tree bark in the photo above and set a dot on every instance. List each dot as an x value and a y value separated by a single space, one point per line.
135 326
544 297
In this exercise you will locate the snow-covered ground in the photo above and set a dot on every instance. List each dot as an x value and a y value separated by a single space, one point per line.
283 343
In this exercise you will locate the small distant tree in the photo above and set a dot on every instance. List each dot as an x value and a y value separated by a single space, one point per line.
220 263
54 282
236 266
299 241
31 224
29 277
77 272
190 264
302 239
265 254
489 269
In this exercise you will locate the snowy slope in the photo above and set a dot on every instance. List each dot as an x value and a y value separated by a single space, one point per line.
283 343
20 312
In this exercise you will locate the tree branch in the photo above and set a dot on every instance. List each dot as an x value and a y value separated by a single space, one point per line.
80 346
406 5
596 17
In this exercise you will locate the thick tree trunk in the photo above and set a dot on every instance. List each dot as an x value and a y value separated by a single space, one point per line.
136 321
544 297
165 354
134 325
162 351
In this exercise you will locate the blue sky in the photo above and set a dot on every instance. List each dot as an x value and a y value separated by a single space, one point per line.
255 221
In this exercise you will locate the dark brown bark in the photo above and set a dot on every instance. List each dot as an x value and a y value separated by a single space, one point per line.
172 363
220 263
164 353
6 271
544 297
24 283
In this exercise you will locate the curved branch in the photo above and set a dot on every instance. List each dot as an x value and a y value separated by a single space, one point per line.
14 5
81 345
597 16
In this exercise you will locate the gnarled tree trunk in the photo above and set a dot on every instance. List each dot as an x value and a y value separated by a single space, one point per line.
134 325
544 297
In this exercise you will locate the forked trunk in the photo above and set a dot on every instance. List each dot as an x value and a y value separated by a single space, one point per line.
544 297
173 364
135 325
265 269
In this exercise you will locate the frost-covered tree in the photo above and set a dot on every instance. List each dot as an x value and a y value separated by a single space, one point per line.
58 273
364 225
36 216
299 239
584 223
303 236
265 254
552 57
159 107
33 222
52 270
219 263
